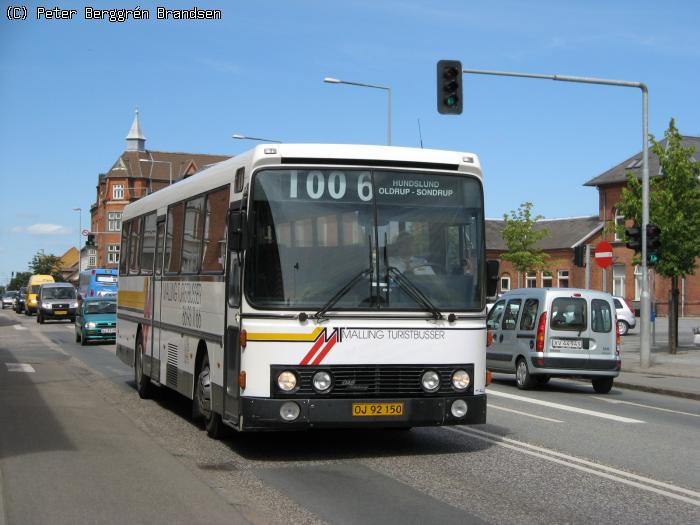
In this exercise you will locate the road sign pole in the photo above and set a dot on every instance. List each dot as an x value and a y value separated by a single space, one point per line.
588 266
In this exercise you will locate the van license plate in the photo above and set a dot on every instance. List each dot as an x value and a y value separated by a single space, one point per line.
377 409
576 344
60 312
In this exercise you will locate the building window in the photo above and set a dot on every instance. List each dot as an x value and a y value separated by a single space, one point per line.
113 253
547 279
618 280
531 280
619 222
563 278
505 283
92 258
637 282
114 221
117 192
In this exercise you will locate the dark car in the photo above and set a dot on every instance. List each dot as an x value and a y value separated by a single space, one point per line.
56 301
96 320
18 305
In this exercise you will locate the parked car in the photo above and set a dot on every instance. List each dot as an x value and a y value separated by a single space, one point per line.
96 320
625 315
8 298
540 333
18 305
56 301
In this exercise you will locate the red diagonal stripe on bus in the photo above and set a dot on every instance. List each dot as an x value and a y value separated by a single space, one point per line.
314 349
326 349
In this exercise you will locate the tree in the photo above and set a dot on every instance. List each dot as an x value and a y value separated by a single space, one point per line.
20 279
47 265
674 206
521 237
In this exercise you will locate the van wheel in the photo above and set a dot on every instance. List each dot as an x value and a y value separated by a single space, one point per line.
202 402
523 379
623 327
602 385
143 383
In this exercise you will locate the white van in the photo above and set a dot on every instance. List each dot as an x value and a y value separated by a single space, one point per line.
540 333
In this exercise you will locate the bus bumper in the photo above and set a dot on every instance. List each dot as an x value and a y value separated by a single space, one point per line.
264 413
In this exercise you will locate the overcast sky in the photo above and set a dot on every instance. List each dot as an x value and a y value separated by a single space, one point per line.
68 89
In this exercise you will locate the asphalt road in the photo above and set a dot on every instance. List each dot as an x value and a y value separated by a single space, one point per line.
77 445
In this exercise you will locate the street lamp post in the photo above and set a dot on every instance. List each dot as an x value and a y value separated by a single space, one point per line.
80 238
645 314
330 80
170 165
238 136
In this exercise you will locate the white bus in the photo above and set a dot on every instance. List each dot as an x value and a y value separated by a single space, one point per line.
304 286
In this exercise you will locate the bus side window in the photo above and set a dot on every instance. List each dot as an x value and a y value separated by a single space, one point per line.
234 282
148 244
214 251
173 239
192 236
124 260
134 246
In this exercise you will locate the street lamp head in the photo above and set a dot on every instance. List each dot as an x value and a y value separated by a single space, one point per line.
77 209
331 80
237 136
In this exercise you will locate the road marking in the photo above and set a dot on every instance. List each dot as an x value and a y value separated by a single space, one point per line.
617 401
564 407
584 465
20 367
19 327
524 413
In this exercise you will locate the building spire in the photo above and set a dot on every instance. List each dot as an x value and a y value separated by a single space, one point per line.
135 141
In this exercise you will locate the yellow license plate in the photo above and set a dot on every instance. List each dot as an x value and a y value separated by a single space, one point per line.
377 409
61 312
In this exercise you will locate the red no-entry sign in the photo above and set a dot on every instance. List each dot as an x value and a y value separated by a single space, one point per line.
603 254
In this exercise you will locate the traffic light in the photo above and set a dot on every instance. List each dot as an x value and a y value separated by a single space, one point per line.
653 244
90 240
579 255
634 238
449 87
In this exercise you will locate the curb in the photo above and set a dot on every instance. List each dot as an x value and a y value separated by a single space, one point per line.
657 390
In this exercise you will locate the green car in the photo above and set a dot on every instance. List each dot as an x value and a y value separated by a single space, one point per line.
96 320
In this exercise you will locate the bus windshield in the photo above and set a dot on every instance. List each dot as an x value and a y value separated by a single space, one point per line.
315 231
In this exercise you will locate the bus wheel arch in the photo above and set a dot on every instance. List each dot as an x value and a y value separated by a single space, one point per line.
202 408
144 387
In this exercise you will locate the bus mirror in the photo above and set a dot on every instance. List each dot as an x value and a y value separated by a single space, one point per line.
492 269
236 232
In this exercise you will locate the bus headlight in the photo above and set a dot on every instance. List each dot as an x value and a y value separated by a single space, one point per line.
430 381
460 380
322 381
287 381
459 408
289 411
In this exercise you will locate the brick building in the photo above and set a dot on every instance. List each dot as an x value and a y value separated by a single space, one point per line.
136 173
623 278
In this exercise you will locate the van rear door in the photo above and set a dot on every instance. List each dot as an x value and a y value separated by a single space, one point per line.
567 344
603 336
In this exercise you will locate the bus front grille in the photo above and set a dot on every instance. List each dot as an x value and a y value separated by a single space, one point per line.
371 380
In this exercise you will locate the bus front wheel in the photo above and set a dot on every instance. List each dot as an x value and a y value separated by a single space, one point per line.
143 383
202 402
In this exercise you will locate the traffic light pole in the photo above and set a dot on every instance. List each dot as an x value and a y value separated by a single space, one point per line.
645 314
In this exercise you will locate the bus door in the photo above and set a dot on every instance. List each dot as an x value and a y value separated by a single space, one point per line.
154 349
232 355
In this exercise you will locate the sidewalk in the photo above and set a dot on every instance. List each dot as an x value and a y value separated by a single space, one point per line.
676 375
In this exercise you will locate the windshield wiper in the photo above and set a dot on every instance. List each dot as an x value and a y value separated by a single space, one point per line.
321 314
413 292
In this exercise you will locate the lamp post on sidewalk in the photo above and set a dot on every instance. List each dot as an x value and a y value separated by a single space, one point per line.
331 80
170 165
80 238
645 314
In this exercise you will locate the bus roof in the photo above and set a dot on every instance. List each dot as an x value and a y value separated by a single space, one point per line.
346 155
